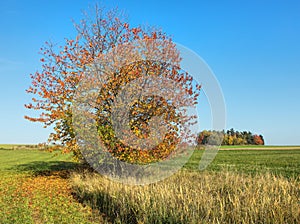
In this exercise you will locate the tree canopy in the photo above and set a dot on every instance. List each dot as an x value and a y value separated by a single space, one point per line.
121 54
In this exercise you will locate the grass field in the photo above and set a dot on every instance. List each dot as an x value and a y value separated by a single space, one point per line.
240 186
34 188
279 162
265 147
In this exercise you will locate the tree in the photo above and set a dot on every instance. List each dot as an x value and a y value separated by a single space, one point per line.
262 139
238 141
257 140
203 137
249 138
230 140
65 67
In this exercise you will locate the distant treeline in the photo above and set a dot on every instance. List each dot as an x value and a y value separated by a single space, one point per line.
229 137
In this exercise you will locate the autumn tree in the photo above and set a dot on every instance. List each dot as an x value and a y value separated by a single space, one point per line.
231 137
202 138
257 140
63 69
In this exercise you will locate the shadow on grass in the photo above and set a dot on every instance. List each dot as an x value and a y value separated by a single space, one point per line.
109 207
1 148
49 168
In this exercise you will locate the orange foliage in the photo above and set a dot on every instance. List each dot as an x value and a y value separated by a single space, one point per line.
63 68
257 140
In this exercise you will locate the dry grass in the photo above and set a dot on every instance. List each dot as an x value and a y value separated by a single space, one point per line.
194 197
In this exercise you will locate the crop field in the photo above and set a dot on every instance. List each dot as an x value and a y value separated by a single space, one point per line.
282 162
259 147
240 186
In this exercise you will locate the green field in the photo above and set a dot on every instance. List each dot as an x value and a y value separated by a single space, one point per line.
266 147
34 188
279 162
39 187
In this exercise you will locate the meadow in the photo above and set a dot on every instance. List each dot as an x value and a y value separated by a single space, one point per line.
34 188
240 186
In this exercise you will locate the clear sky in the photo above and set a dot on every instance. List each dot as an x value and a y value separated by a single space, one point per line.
253 47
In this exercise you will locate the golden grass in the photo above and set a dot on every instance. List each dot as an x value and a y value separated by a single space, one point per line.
194 197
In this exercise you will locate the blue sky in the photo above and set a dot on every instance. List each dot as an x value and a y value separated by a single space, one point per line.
253 47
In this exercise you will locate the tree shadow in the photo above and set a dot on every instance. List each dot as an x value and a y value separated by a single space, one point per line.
108 206
49 168
1 148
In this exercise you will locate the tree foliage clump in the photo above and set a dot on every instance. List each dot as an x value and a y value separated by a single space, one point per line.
229 137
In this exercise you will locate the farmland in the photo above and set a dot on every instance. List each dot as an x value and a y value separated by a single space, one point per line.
240 186
285 162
